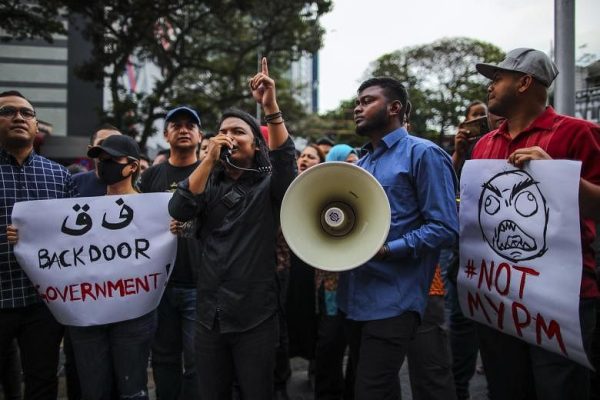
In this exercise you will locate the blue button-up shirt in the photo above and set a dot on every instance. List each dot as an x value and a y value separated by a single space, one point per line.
420 183
36 179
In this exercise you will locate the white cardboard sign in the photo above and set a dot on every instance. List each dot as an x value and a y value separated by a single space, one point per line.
520 251
97 260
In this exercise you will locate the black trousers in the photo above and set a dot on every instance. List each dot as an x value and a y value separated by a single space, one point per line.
595 358
429 361
248 356
516 370
38 335
330 382
11 372
283 369
378 349
71 377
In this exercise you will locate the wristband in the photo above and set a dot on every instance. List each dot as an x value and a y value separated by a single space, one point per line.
272 117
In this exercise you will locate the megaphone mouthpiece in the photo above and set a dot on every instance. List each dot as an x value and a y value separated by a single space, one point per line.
337 219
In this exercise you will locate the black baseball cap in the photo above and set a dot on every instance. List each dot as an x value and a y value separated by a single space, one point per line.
325 140
117 146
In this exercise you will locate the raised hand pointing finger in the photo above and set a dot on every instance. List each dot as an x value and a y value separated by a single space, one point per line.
263 87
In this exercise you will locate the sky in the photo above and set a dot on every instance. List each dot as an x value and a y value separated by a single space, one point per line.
358 32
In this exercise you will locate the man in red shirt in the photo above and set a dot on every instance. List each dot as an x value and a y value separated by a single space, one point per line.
534 131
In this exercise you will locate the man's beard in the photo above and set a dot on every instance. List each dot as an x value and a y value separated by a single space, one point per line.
376 123
501 105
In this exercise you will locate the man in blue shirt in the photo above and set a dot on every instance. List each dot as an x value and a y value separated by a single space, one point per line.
384 299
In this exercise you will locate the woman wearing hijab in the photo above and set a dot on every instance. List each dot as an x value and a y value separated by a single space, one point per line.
342 152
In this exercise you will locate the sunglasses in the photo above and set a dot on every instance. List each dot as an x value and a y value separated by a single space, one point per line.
11 112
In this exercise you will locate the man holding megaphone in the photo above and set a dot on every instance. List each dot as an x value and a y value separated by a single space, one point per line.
384 299
234 197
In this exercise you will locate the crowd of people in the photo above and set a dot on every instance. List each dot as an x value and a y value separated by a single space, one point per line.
239 303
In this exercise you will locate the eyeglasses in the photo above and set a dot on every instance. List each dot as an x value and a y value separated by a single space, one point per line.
11 112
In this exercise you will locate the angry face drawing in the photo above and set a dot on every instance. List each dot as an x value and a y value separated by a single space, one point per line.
513 216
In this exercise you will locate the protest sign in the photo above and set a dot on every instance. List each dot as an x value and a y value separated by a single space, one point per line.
96 260
520 251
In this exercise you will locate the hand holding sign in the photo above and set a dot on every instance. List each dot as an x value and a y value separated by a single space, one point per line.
107 262
520 156
12 234
175 227
520 249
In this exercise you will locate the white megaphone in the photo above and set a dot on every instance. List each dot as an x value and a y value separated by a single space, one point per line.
335 216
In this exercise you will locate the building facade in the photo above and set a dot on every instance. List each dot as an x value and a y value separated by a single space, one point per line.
587 92
45 73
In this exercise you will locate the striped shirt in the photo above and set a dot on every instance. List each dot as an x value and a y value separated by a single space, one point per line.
36 179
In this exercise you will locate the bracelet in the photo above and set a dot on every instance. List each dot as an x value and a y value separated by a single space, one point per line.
274 116
276 123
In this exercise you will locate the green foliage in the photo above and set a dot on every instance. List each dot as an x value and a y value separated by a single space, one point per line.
338 123
29 20
205 51
441 79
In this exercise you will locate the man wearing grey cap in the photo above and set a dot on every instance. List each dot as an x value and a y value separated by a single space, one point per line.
534 131
173 346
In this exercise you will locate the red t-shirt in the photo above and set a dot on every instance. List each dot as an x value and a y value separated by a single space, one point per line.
563 138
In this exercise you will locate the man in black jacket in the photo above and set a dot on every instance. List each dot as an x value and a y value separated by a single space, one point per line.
235 198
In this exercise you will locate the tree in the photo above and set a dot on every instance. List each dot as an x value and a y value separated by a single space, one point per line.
441 79
30 20
205 50
396 65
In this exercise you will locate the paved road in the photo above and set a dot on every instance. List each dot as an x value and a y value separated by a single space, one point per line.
300 389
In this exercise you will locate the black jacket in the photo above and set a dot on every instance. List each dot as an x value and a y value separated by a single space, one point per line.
236 278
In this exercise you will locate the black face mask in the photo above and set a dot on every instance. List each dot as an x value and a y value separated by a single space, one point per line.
110 171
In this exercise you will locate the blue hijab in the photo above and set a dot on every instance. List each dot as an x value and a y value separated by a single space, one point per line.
339 152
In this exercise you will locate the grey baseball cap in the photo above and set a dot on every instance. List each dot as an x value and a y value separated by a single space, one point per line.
528 61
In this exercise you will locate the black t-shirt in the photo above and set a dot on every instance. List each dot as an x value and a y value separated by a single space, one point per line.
164 178
89 185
